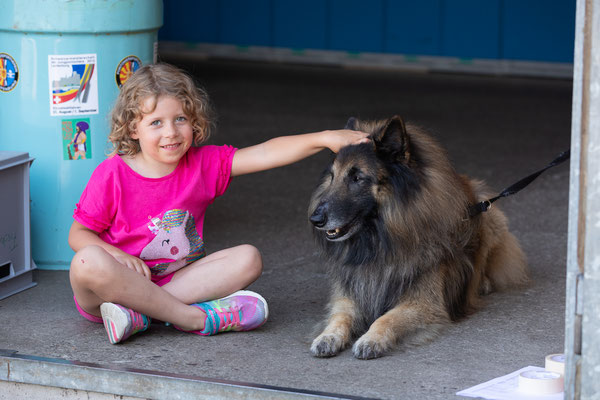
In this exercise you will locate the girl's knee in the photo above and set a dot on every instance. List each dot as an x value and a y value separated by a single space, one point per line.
86 255
253 264
87 264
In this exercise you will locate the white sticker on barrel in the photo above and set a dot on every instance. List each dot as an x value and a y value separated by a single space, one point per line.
73 84
540 382
556 363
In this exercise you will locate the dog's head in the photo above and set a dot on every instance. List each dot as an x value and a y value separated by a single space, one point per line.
351 188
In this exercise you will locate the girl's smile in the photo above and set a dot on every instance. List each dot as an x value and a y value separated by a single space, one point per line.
171 146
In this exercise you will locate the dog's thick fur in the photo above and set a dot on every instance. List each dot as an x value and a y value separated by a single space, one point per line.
404 258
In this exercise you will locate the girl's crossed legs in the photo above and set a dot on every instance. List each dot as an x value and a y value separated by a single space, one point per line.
97 277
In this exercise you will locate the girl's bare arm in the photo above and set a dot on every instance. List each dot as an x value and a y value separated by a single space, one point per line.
286 150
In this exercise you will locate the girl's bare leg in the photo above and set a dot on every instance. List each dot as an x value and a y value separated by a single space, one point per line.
216 275
97 277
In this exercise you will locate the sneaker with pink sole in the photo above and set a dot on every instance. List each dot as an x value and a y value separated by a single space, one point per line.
121 322
241 311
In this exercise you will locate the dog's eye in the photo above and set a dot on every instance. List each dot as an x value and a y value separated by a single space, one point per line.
355 175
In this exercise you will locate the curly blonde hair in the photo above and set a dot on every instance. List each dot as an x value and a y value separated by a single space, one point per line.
153 81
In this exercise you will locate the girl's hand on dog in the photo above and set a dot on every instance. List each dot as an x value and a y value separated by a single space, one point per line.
337 139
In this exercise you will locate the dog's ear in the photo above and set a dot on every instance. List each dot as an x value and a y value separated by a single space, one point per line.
392 141
351 124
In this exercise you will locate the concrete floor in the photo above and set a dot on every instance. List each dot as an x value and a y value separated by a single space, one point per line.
495 128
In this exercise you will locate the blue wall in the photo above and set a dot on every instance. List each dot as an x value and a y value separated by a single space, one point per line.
537 30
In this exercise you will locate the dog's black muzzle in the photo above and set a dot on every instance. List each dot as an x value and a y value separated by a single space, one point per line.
319 216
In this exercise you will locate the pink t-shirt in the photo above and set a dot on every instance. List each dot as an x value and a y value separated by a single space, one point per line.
159 220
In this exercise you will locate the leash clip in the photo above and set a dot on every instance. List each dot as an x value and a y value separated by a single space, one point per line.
487 204
479 208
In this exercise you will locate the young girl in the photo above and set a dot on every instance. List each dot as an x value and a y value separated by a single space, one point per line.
137 232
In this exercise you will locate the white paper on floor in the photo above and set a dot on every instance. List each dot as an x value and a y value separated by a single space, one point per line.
507 388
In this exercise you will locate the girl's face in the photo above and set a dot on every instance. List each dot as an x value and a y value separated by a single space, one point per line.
165 135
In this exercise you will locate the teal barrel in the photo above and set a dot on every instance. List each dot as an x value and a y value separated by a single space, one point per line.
61 66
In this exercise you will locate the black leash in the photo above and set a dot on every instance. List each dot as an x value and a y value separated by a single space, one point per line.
483 206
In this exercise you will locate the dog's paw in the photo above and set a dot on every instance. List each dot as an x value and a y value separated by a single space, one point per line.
366 349
326 345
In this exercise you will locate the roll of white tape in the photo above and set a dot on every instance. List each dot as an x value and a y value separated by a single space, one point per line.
556 363
540 382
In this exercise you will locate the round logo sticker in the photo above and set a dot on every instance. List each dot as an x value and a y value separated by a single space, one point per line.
126 68
9 73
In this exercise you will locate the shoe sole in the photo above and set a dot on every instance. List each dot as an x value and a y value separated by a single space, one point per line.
255 295
115 321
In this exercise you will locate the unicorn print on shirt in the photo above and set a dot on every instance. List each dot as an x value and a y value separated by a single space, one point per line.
176 242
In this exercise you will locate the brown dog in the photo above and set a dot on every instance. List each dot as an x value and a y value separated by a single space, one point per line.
404 257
